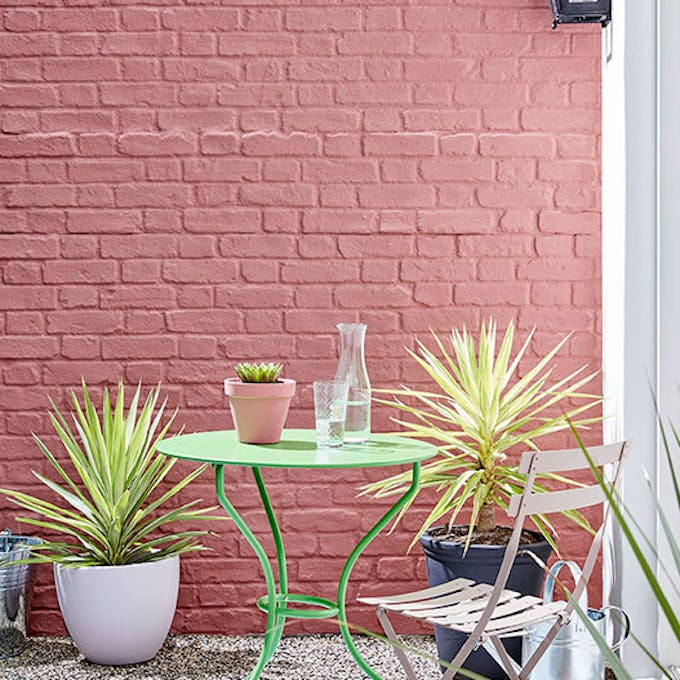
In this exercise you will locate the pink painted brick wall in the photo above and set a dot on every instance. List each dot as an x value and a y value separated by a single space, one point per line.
187 184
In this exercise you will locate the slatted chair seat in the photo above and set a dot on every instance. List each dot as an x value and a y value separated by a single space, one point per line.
459 603
488 613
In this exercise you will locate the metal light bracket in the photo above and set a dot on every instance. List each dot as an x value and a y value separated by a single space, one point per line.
581 12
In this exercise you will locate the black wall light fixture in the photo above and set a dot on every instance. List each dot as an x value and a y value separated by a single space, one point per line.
581 12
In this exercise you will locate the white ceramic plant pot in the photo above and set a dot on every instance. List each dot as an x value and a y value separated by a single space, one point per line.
119 615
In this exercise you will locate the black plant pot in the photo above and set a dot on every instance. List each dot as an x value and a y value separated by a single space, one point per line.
481 564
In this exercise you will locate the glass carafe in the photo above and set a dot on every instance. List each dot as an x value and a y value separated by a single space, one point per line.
352 370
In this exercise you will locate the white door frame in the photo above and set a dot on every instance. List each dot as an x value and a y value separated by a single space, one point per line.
641 280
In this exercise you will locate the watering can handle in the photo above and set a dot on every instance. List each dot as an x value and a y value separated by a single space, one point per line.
626 625
549 586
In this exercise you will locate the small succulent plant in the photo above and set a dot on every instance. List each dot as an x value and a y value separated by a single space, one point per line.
258 373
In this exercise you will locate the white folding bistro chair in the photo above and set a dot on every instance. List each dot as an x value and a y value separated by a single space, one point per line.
489 613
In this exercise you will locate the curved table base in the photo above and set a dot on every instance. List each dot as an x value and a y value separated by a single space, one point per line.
275 602
349 565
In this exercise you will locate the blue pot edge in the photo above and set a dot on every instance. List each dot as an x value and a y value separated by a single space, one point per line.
426 539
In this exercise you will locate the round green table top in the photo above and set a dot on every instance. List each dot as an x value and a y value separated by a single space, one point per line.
297 448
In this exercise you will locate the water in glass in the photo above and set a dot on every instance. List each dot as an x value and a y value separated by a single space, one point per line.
330 405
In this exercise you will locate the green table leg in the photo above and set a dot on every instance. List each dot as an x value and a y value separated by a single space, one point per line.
280 559
274 621
349 565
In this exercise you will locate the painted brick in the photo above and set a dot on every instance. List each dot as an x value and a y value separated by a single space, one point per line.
340 171
200 19
270 44
139 19
447 119
131 347
36 145
400 144
446 19
200 271
21 20
27 45
27 347
134 94
282 195
138 297
80 271
328 18
532 145
28 247
105 170
143 43
274 144
373 93
151 194
92 69
487 294
457 170
218 221
98 221
185 185
238 246
202 70
397 195
365 246
218 143
374 42
29 95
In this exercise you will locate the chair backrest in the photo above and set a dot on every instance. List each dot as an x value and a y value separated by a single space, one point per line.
537 463
534 464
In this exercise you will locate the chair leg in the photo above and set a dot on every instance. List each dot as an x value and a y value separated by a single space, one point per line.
396 643
460 658
542 648
502 658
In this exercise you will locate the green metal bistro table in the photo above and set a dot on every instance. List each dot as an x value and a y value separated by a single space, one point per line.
297 449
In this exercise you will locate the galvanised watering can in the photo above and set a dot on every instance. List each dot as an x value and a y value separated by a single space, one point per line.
573 654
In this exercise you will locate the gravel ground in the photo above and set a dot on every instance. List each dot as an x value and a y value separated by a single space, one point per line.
213 657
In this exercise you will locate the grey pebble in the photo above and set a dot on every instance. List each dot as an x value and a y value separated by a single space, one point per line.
216 657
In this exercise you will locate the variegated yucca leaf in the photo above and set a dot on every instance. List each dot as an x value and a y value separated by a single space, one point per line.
482 410
111 505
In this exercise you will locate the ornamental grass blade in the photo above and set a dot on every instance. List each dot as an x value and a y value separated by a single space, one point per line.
610 657
669 459
669 532
648 570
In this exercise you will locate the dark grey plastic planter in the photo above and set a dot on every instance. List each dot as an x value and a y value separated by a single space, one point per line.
482 563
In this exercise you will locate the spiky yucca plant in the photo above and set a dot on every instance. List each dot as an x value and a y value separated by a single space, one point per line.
258 373
107 509
480 413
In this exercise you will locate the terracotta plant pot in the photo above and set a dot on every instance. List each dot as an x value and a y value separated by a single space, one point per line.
259 410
